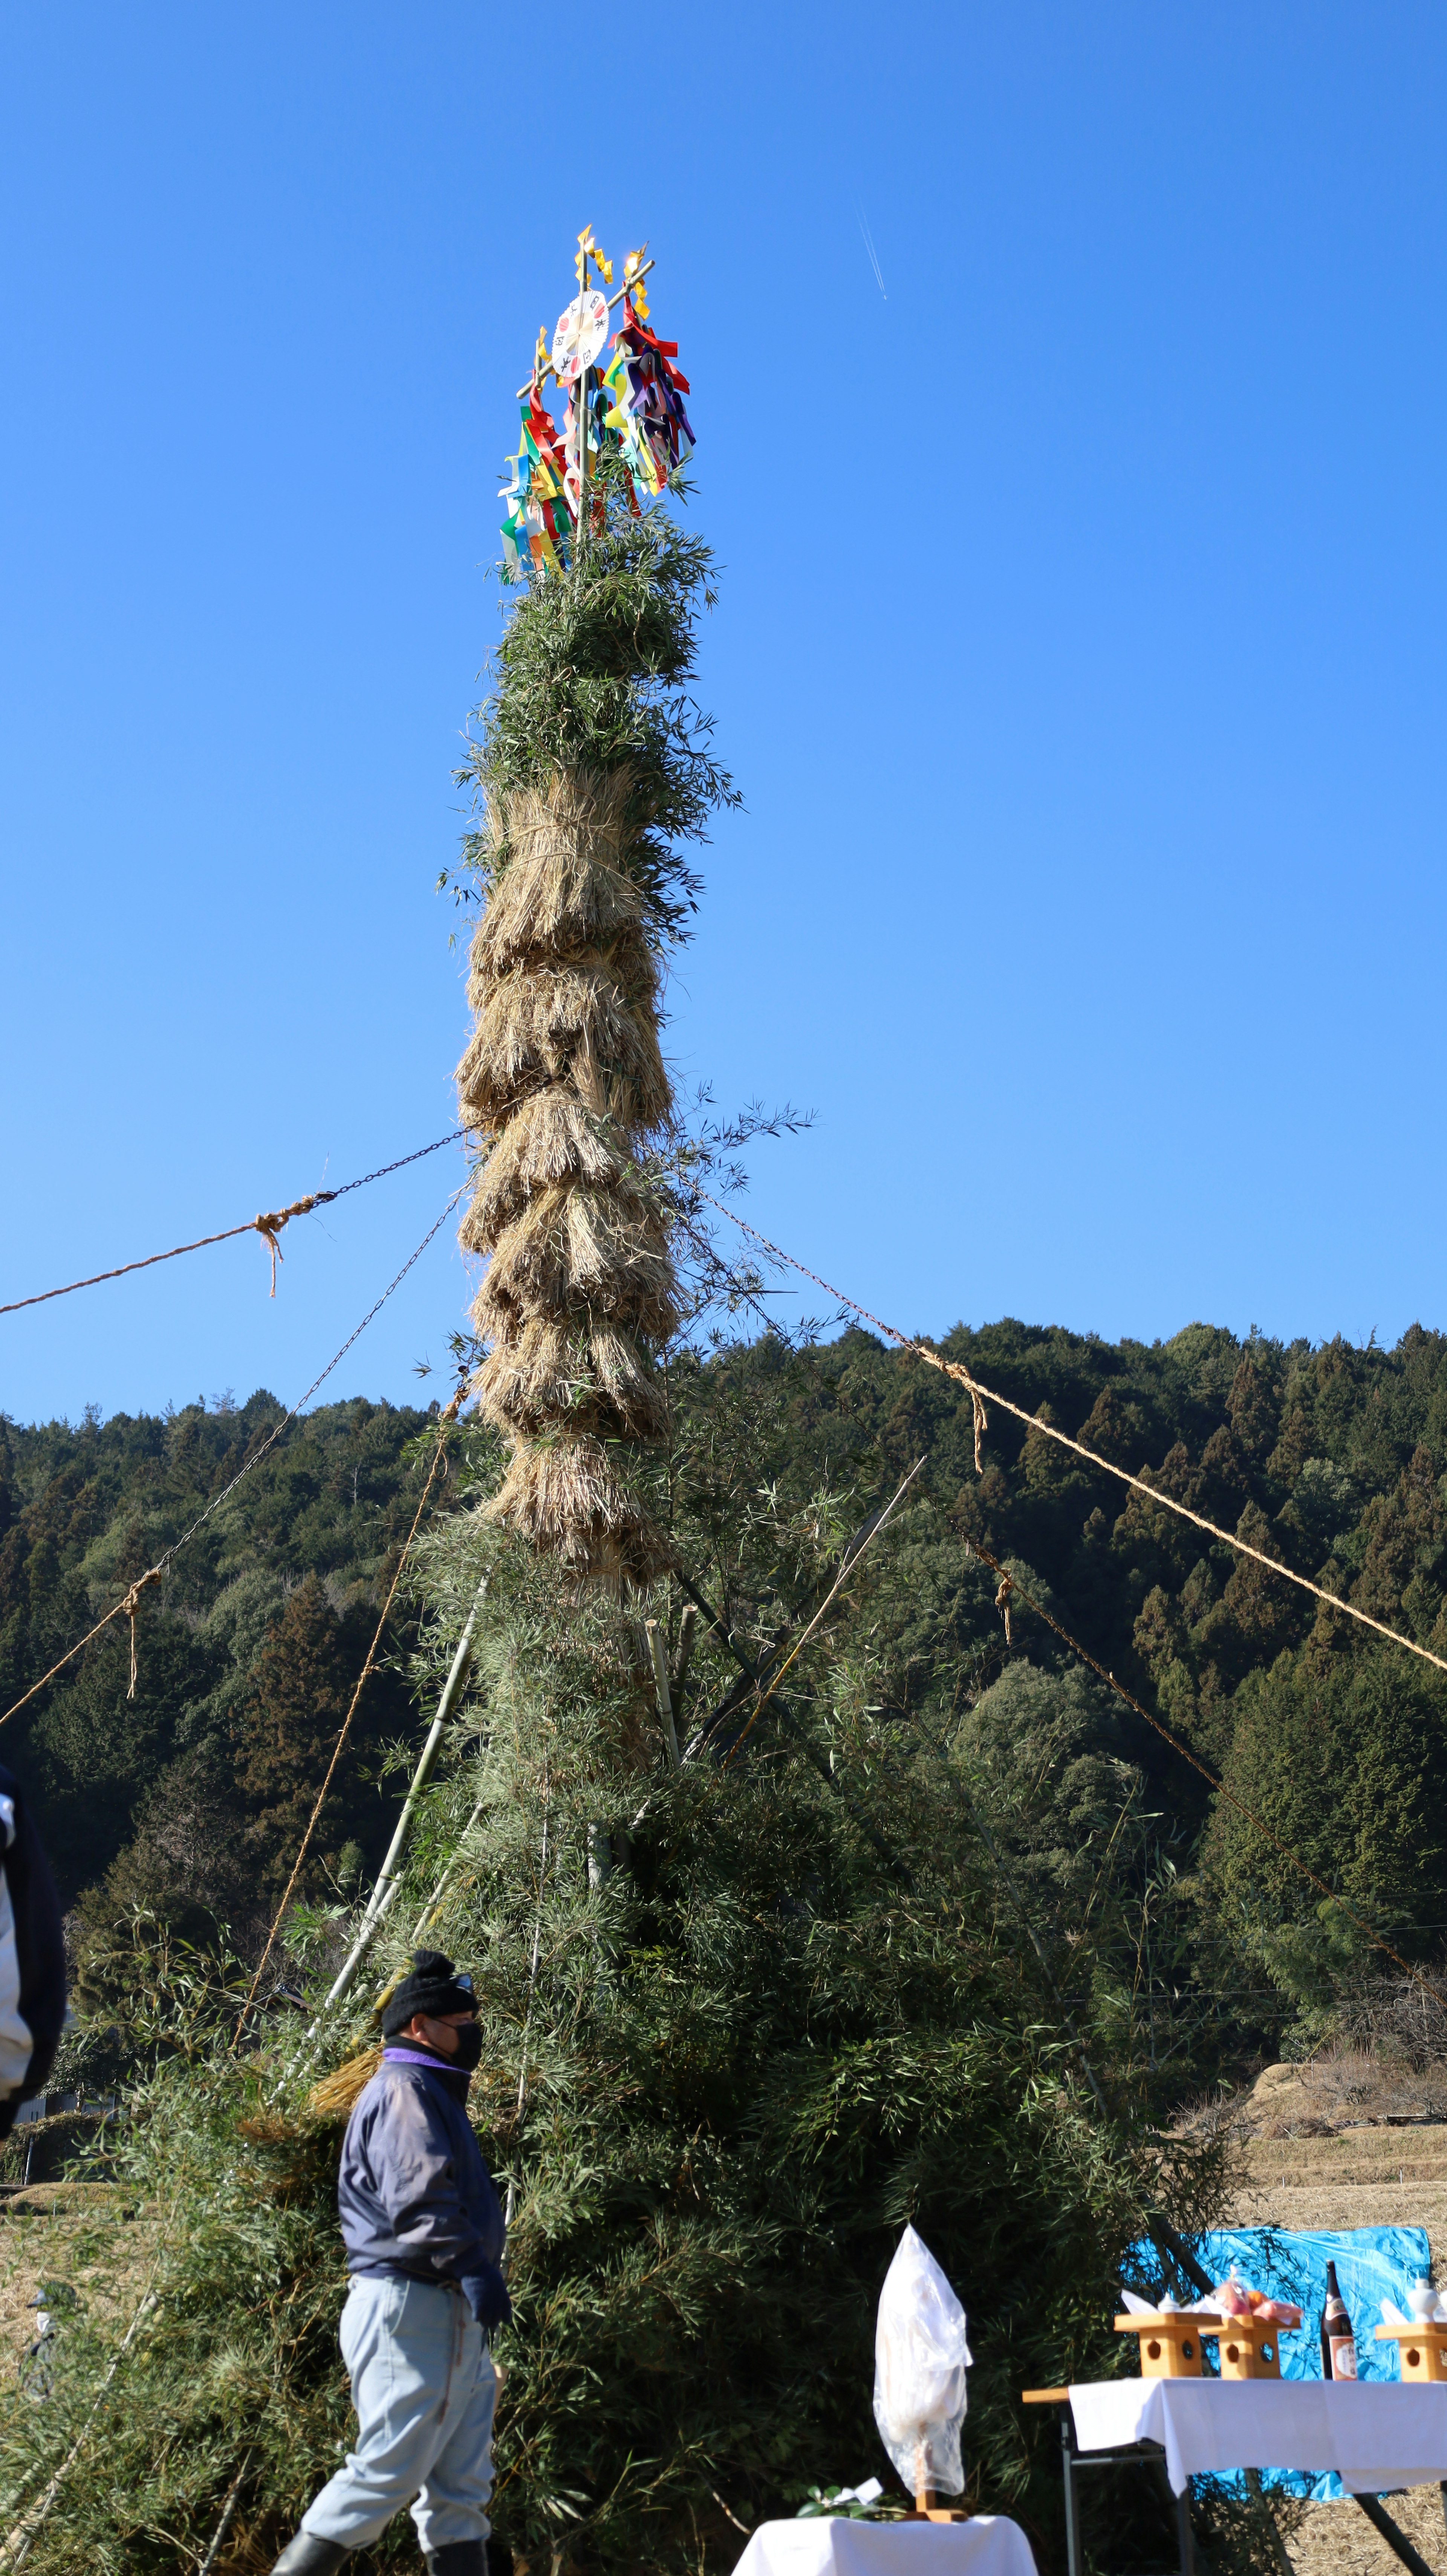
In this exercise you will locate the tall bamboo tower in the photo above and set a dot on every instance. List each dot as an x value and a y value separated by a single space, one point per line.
584 771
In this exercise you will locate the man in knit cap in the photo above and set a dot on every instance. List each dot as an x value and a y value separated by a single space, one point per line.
424 2237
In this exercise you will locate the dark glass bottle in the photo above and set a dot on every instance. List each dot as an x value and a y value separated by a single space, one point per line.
1338 2343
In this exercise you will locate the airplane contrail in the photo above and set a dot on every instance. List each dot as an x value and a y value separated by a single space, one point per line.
873 253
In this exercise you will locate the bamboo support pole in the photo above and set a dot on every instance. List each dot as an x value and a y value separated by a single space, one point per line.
660 1684
687 1627
428 1914
390 1872
434 1901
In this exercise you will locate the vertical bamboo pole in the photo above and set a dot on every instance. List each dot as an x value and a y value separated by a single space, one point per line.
580 405
528 2012
679 1683
392 1865
660 1683
580 410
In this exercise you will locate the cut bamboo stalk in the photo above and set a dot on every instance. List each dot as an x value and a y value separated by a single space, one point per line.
660 1682
686 1628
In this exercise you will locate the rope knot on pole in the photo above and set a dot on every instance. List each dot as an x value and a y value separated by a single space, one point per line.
129 1607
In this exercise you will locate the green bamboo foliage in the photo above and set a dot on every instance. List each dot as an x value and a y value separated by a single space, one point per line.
731 2045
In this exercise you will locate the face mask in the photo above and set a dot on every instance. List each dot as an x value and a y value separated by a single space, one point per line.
468 2053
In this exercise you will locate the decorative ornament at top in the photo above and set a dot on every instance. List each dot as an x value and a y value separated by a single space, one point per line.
631 411
633 286
581 332
588 250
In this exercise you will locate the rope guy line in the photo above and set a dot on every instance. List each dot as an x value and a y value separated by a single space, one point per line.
448 1415
267 1226
763 1697
1048 1431
127 1606
1011 1587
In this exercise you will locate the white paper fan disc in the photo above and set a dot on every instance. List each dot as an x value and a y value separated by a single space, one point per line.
580 334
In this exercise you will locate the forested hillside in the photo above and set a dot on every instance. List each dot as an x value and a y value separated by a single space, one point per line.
1329 1459
189 1799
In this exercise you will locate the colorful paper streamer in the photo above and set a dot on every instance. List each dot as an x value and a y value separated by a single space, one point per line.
634 410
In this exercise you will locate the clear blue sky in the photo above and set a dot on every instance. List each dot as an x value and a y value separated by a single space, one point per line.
1079 654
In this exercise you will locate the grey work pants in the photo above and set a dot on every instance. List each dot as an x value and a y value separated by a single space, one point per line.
424 2388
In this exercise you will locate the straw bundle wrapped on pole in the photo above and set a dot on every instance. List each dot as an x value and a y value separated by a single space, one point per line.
565 1076
590 763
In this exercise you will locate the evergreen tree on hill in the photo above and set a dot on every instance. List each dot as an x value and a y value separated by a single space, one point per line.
301 1687
92 1506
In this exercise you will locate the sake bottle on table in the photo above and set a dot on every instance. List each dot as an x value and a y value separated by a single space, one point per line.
1338 2343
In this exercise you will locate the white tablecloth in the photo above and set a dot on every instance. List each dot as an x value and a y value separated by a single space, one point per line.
832 2545
1376 2435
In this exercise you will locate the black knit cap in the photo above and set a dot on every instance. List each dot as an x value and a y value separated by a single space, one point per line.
431 1987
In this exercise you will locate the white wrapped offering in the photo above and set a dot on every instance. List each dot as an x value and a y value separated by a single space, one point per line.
920 2360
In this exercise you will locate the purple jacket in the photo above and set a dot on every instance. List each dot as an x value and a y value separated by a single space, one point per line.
416 2200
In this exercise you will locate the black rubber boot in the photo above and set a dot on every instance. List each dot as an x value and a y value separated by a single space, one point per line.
458 2558
305 2556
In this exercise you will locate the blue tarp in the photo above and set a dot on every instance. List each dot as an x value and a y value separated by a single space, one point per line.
1372 2264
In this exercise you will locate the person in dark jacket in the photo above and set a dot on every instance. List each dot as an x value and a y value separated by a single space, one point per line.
424 2236
32 1957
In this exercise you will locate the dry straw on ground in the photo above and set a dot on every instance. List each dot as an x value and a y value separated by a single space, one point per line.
565 1080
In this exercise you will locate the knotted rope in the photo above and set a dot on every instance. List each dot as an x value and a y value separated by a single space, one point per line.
269 1227
117 1608
1048 1431
1002 1604
128 1609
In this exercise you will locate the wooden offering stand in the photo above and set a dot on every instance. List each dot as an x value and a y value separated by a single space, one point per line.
1250 2349
1423 2347
1170 2344
926 2509
926 2506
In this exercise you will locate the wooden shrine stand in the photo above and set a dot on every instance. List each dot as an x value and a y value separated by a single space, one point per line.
1423 2348
1171 2345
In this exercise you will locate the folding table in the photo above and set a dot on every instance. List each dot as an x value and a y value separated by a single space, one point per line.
1376 2434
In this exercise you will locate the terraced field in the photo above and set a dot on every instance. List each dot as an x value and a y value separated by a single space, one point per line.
1349 2144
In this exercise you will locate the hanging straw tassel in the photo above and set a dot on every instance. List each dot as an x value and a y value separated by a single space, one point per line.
269 1227
1002 1604
129 1607
982 1425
